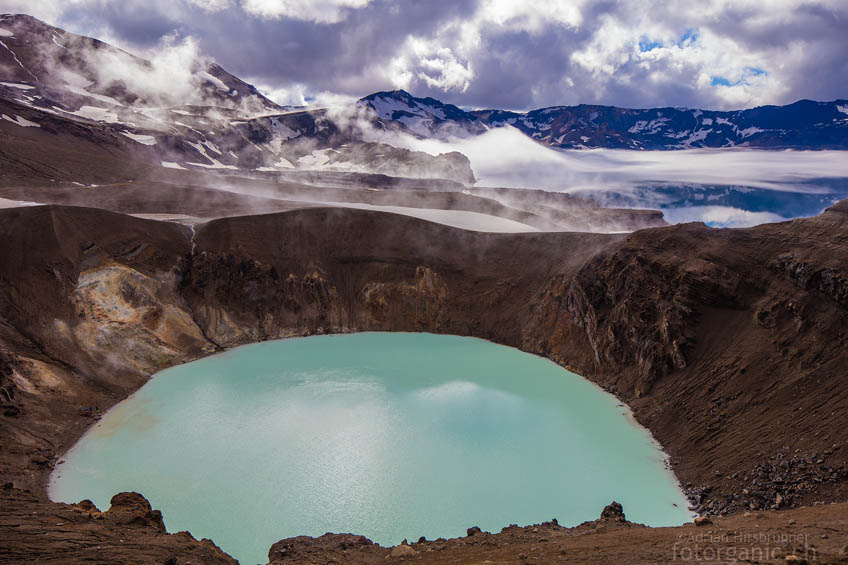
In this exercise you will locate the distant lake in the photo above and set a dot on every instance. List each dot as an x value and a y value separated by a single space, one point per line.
389 435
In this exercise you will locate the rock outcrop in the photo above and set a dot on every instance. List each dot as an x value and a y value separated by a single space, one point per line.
34 530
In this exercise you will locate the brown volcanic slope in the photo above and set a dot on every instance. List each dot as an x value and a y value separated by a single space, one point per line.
728 344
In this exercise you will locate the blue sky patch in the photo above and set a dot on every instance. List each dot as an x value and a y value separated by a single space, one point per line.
688 37
749 72
646 44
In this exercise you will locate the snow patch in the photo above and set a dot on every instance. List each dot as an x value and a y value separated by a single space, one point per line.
386 107
5 203
317 158
417 124
651 127
102 98
841 108
211 146
6 33
172 165
696 136
17 85
472 221
219 84
143 139
215 163
21 122
748 132
96 114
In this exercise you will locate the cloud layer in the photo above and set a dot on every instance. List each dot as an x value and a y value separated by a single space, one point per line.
508 158
713 54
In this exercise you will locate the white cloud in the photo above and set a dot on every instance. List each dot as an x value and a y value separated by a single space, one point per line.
210 5
716 54
172 74
531 15
47 10
507 157
428 61
301 95
320 11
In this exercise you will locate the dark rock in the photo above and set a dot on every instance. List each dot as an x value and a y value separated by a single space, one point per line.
87 505
473 531
302 549
614 512
132 509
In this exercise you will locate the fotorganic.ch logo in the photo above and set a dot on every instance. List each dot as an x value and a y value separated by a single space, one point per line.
730 547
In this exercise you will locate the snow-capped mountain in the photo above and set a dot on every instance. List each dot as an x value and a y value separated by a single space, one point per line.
424 117
803 125
185 112
63 72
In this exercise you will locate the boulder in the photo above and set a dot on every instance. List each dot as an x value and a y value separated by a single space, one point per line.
403 550
613 512
132 509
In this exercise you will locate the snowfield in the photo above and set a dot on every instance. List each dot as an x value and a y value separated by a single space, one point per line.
143 139
21 122
472 221
96 114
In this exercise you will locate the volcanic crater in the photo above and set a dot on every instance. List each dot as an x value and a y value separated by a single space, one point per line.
727 344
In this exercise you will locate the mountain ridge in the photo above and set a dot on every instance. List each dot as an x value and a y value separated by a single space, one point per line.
804 124
52 70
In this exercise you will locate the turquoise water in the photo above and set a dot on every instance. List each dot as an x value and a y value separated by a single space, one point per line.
390 435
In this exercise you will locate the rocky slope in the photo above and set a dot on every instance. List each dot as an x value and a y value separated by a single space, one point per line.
79 162
189 114
728 344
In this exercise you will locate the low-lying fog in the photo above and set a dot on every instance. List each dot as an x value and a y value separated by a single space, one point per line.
722 187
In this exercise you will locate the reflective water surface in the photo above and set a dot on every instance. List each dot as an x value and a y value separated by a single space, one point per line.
390 435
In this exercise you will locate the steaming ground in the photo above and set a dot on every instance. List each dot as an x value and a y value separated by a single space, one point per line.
721 187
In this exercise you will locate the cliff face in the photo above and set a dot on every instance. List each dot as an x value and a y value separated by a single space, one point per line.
326 270
728 344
